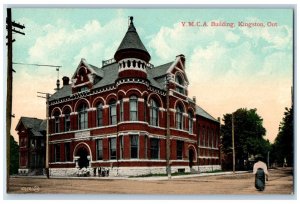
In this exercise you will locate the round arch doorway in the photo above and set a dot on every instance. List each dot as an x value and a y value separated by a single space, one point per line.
83 154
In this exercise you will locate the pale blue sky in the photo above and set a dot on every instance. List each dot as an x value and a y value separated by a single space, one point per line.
228 68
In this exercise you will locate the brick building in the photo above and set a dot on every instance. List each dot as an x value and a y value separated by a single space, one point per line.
115 117
32 135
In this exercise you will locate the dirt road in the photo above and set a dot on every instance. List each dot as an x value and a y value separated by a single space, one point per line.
280 182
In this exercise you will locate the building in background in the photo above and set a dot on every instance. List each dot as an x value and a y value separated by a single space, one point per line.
32 146
115 118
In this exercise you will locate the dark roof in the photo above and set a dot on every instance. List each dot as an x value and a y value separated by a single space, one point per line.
160 71
63 92
110 75
200 111
35 125
132 41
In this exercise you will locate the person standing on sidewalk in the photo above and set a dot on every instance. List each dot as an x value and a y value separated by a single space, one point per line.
260 170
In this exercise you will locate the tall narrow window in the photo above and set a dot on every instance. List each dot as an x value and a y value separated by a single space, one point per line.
179 86
133 108
154 148
179 117
57 153
212 138
153 113
56 122
190 122
146 146
99 148
67 152
145 109
67 120
112 112
82 117
203 136
112 148
179 149
121 110
134 146
99 114
121 147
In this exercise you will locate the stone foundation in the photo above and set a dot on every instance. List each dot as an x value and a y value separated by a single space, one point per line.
129 171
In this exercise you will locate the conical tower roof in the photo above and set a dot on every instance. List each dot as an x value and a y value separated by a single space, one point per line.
132 46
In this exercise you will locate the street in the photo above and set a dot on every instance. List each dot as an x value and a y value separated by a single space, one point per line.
280 183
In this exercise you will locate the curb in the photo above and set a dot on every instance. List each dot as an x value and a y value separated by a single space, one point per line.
152 178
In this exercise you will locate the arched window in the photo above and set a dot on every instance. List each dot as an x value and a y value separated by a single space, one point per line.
112 112
67 120
82 117
179 117
153 112
133 108
191 122
99 114
180 84
121 110
56 122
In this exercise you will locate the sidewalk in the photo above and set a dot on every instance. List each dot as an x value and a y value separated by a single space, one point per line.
150 178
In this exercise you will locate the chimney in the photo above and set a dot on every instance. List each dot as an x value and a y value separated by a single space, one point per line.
182 57
194 99
57 85
65 80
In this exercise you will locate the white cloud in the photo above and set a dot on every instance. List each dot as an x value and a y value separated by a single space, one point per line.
60 44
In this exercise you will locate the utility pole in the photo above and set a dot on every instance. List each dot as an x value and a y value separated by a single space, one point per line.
168 128
47 132
10 26
233 150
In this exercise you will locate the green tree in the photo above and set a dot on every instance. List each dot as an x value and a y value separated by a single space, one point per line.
248 136
283 147
14 156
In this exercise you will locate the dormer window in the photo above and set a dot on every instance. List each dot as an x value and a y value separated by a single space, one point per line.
83 88
180 84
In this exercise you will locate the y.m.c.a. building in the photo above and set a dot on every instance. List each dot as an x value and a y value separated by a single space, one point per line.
124 115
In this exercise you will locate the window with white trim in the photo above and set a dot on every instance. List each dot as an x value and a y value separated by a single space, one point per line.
99 114
82 117
179 149
56 122
112 112
134 146
57 153
154 148
99 148
179 117
121 141
180 84
121 110
67 151
133 101
67 120
113 148
191 122
153 113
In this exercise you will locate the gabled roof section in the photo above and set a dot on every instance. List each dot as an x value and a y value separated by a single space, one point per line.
200 111
93 69
34 125
180 64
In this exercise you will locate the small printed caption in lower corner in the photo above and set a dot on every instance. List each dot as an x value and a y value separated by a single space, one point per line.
30 189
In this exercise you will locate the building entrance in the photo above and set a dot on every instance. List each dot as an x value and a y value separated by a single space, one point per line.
83 160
